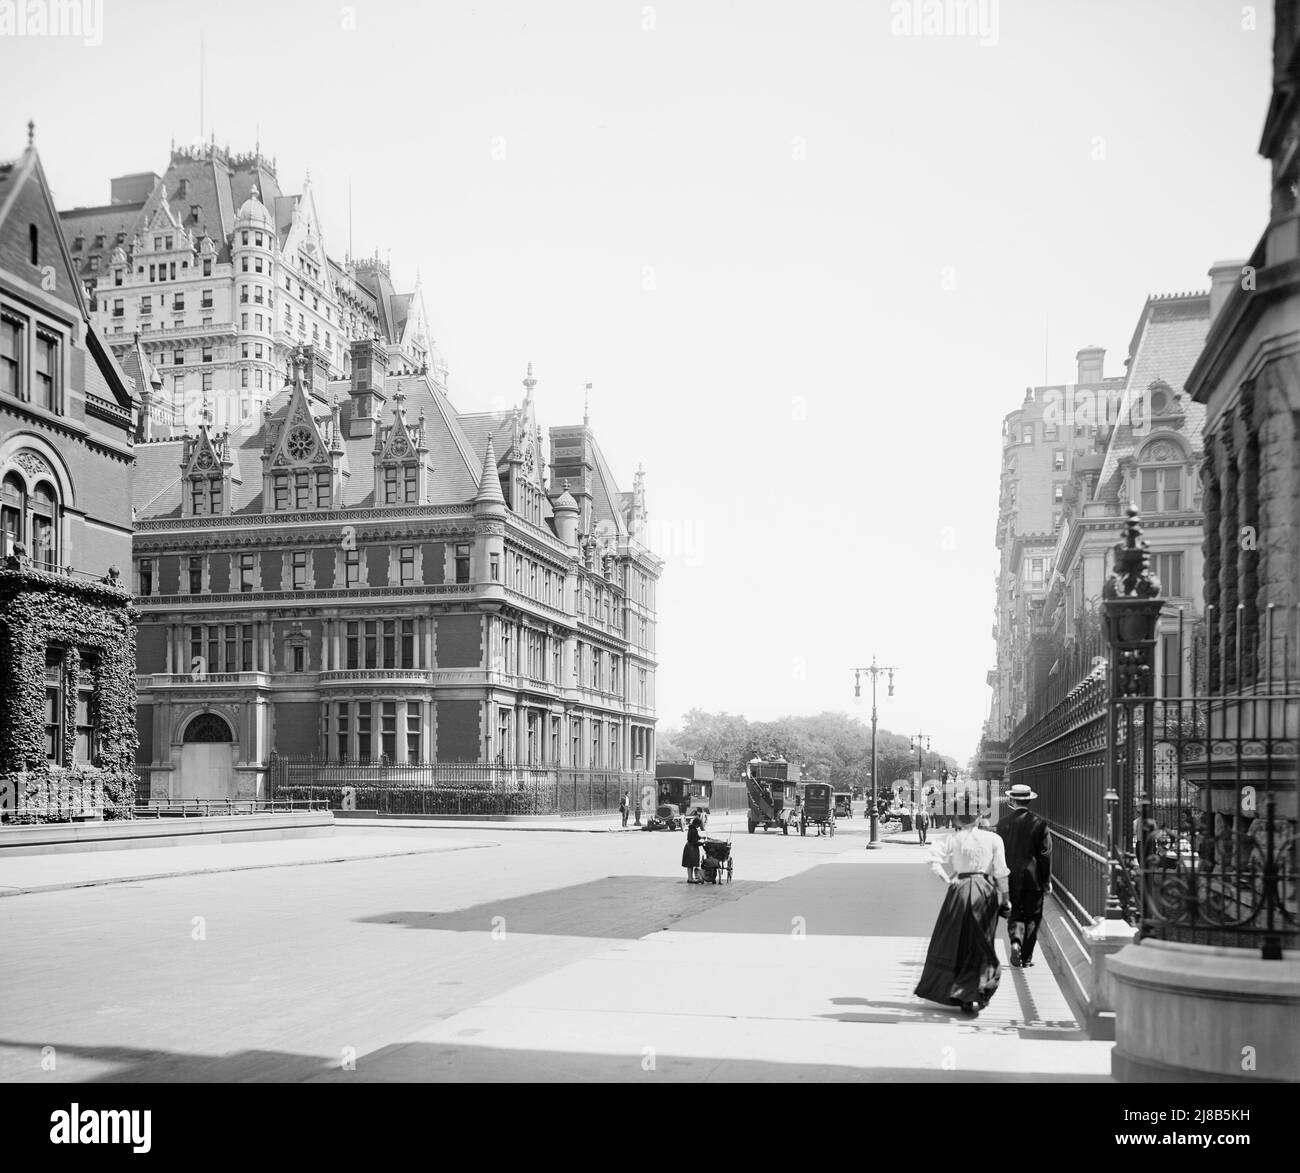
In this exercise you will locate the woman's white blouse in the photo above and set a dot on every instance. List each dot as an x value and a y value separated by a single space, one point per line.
969 851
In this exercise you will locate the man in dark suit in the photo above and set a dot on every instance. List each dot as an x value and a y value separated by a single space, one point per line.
1029 856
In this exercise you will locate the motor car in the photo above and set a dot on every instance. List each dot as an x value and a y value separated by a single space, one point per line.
666 818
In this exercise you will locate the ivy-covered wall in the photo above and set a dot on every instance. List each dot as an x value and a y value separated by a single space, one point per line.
39 610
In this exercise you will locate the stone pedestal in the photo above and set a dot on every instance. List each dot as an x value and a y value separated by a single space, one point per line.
1103 941
1197 1013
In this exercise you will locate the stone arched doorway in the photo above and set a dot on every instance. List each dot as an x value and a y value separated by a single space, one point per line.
207 758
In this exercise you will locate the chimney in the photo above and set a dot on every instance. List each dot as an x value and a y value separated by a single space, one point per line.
1091 360
369 369
1224 278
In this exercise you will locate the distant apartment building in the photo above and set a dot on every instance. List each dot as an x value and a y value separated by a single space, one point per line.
213 277
1054 428
1149 458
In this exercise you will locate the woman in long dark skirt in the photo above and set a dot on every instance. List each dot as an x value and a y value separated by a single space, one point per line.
691 852
961 967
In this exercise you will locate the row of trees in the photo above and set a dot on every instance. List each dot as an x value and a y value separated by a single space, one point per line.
831 747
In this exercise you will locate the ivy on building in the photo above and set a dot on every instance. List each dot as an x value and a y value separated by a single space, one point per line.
40 611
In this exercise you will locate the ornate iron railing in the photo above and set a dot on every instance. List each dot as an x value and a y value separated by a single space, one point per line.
1214 834
454 788
1059 750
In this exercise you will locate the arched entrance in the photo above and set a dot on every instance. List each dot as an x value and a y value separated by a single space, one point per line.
207 759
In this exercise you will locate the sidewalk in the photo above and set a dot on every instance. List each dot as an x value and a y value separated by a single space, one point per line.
807 979
50 873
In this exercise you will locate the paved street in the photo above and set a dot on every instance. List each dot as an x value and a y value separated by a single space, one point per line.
500 953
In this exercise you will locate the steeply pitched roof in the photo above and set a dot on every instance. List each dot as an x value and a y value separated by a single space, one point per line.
455 465
1169 337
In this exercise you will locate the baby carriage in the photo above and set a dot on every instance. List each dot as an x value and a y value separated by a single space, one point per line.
716 864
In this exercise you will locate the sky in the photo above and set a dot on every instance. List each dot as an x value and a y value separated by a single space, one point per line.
808 254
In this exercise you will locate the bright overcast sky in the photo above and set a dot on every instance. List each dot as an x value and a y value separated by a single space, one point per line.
735 219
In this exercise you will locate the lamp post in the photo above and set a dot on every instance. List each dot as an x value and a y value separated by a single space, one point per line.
875 670
917 739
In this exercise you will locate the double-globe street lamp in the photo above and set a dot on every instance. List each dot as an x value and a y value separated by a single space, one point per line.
875 670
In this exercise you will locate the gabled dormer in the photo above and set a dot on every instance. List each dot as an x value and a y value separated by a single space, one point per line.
522 477
209 470
401 459
302 455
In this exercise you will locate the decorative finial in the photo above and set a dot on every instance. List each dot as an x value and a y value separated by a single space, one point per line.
256 194
31 133
586 407
1132 577
529 381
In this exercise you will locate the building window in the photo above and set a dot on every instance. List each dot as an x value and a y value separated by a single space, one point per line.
462 562
341 731
388 731
503 735
642 687
196 574
207 353
390 485
207 266
1161 490
1169 569
245 573
411 484
555 741
54 659
324 490
363 730
406 565
146 305
299 570
302 489
281 489
299 658
1027 434
1058 460
413 731
178 303
408 643
494 563
243 376
146 576
352 568
1170 668
178 358
1058 492
11 349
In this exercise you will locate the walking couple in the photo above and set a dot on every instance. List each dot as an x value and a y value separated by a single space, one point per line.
1006 872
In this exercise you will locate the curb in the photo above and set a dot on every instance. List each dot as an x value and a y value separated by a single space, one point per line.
242 867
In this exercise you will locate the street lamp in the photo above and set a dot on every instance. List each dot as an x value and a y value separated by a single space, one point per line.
917 739
875 670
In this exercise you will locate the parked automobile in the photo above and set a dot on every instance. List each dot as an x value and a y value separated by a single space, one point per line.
665 818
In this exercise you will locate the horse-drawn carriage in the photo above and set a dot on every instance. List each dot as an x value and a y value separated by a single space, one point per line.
818 808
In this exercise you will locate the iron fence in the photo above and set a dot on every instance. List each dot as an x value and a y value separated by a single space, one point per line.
1059 751
1214 834
454 788
1172 802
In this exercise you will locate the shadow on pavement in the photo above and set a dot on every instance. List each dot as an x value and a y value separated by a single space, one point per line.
619 907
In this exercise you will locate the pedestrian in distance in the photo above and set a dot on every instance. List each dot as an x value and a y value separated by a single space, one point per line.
922 822
961 965
691 851
623 804
1028 844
